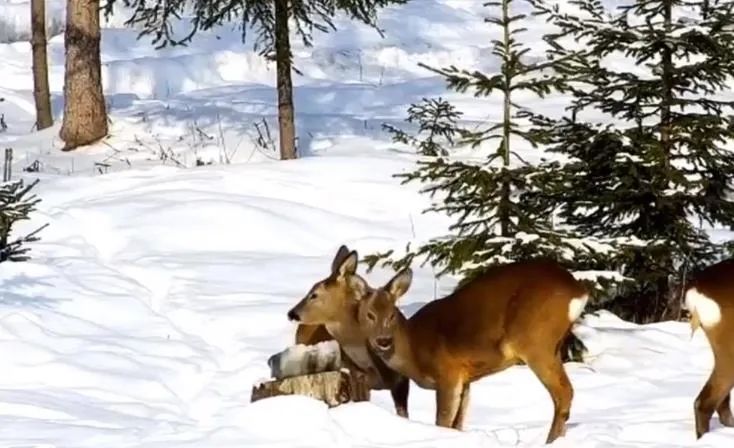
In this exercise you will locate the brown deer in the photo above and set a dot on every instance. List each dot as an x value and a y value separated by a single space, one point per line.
514 313
709 297
333 302
313 334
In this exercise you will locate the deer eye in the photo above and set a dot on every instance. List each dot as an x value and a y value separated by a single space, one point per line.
371 316
312 296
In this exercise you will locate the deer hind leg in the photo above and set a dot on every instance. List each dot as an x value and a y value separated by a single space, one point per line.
713 395
399 391
463 405
549 370
448 400
724 410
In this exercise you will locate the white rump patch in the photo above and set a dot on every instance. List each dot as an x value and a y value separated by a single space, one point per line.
576 307
709 313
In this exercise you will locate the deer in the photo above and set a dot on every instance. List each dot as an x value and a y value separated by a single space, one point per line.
709 298
509 315
333 303
313 334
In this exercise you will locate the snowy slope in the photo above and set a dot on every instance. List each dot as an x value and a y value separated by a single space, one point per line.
156 297
204 101
159 290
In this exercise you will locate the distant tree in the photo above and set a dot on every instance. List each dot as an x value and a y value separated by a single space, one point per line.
271 20
286 112
16 204
41 93
85 112
437 119
651 179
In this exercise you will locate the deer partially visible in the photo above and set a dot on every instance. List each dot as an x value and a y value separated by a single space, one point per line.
518 312
312 334
334 302
709 298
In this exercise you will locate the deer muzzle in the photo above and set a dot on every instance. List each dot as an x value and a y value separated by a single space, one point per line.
383 343
293 315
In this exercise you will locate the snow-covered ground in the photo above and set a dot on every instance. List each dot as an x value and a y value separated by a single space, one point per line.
159 290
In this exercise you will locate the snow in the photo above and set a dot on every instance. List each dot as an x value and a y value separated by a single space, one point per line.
160 289
15 19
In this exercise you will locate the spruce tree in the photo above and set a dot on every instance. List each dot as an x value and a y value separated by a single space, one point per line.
16 204
659 171
496 218
497 202
437 127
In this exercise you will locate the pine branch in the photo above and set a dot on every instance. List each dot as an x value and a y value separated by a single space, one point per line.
14 251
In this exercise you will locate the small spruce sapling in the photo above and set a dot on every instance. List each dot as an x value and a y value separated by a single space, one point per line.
16 204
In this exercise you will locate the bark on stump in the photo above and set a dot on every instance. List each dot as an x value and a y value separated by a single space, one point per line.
333 388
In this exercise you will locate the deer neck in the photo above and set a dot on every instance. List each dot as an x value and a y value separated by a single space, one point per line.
345 330
401 358
344 326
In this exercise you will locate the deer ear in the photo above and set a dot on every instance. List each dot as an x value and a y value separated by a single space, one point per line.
341 254
348 265
399 285
359 286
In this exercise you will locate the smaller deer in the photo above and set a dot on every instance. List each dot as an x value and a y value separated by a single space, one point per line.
333 302
709 298
519 312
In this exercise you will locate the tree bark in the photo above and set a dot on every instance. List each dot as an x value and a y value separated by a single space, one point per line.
85 112
286 114
333 388
41 91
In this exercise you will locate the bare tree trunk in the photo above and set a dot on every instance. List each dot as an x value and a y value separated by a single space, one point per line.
286 114
85 113
41 91
508 69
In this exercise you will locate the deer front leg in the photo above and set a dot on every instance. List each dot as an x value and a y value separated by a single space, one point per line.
463 405
399 391
448 400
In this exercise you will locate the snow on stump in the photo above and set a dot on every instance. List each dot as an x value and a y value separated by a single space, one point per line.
314 371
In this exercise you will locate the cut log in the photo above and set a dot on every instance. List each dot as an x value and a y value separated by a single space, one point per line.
333 388
301 359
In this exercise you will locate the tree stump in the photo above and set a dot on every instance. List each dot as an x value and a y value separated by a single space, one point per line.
333 388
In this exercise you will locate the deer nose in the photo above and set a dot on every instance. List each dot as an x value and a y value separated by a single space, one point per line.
383 342
293 316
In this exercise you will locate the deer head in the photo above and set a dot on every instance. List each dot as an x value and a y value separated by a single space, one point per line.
378 313
327 298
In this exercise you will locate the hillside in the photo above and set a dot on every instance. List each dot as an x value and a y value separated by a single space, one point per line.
160 289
